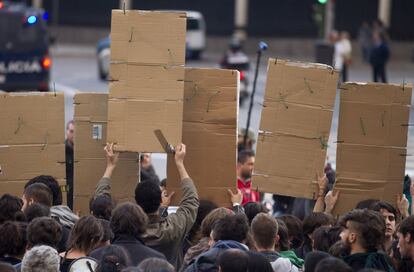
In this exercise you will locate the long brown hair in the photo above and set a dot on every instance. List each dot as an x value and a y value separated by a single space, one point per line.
86 235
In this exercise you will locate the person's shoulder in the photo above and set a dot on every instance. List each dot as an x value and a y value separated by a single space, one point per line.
283 264
97 253
151 252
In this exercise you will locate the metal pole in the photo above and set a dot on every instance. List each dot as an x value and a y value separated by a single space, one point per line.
262 47
241 11
329 18
384 11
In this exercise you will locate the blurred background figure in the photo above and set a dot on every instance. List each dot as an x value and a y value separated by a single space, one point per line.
342 55
147 170
365 40
379 56
70 133
251 139
236 59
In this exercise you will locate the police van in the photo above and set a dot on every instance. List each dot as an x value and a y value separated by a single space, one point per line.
24 48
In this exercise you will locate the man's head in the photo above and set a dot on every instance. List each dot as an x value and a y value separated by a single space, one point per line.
233 260
231 227
245 164
282 243
265 230
101 206
128 218
37 193
210 220
10 208
364 230
406 237
36 210
389 213
70 132
294 226
159 264
145 160
332 264
148 196
114 258
324 237
41 259
251 209
53 185
314 221
13 239
313 258
108 235
44 231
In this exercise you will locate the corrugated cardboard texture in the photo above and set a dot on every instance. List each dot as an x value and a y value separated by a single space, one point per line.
372 140
90 162
147 79
294 129
31 139
210 134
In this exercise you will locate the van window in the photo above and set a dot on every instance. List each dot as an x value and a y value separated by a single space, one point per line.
193 24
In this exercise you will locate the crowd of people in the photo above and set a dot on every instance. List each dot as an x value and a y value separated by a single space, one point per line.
39 233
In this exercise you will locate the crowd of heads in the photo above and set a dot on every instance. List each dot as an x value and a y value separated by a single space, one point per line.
39 233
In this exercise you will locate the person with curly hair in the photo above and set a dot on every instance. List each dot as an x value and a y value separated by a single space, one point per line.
12 242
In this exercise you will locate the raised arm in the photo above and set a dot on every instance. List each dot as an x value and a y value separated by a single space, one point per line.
322 185
185 216
104 185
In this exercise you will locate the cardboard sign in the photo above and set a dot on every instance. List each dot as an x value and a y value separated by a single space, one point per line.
90 118
147 79
372 141
210 134
294 128
31 139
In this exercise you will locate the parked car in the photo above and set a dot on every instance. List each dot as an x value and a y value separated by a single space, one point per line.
195 42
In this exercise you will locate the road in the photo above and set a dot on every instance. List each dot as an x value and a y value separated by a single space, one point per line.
75 70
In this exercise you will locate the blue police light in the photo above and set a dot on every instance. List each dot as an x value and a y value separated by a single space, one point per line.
32 19
46 16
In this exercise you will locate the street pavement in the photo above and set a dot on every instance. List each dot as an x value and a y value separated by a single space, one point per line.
75 70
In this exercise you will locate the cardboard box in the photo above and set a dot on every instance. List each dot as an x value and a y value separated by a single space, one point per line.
210 134
372 141
90 117
147 79
31 139
294 128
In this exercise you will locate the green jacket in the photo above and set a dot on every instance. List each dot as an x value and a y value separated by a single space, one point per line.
295 260
166 235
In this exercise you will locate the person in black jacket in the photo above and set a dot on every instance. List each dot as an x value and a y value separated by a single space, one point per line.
379 56
128 223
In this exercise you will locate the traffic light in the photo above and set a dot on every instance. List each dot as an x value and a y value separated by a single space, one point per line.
322 2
